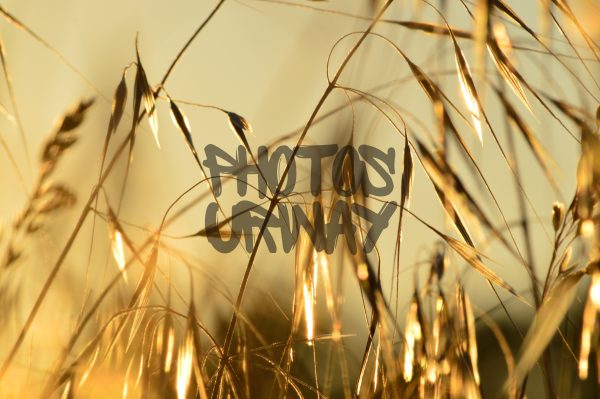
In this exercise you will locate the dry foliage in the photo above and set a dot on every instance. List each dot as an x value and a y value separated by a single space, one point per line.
138 334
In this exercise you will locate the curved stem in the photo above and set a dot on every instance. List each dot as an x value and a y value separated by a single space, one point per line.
330 87
86 210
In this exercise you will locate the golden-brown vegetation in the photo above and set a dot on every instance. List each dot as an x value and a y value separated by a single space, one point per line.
151 327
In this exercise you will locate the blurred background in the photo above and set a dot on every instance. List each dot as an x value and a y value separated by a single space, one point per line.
269 62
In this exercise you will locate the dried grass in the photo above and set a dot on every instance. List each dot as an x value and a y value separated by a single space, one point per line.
150 340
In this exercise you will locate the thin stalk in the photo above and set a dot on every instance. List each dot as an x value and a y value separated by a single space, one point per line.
330 87
86 210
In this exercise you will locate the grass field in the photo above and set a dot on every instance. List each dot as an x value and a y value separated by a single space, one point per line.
321 199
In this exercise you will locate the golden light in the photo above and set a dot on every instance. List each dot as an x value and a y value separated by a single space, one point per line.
184 367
